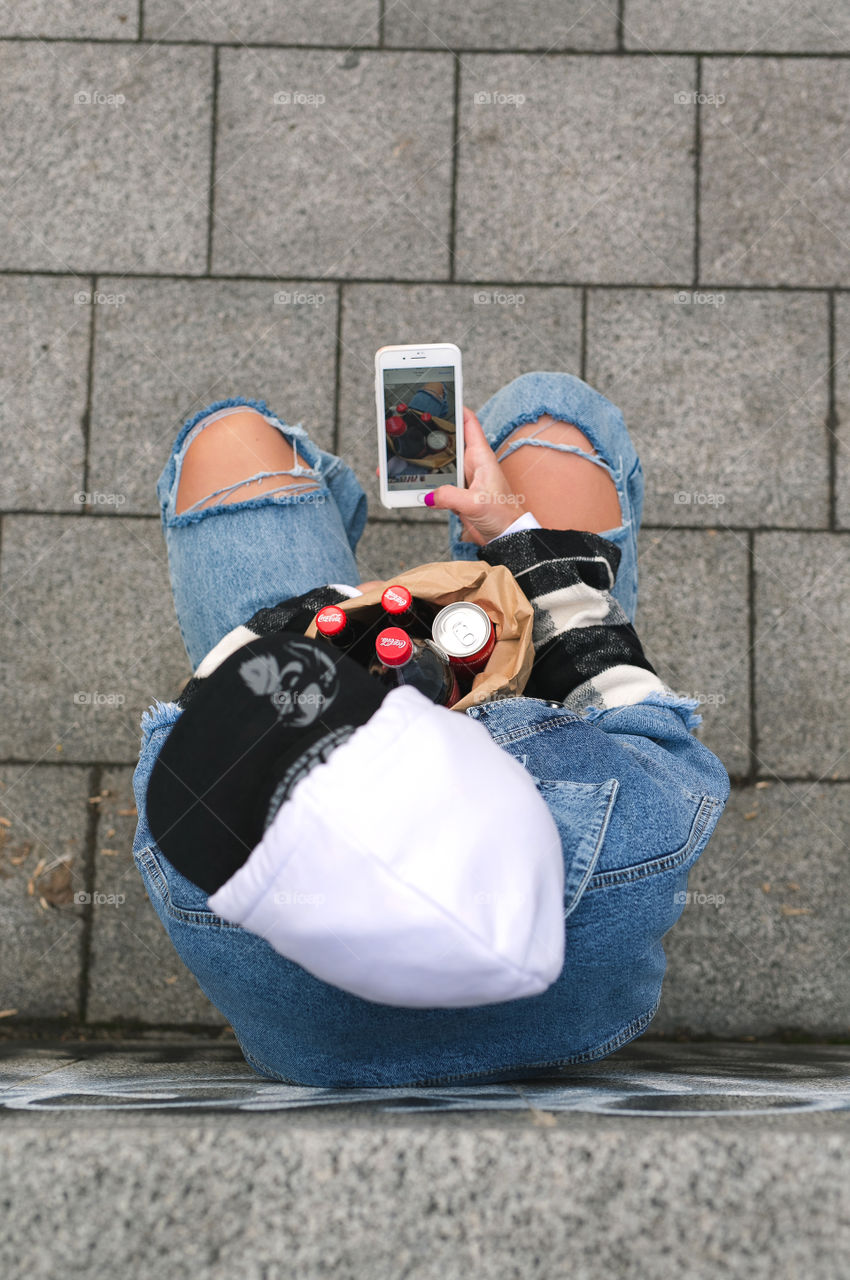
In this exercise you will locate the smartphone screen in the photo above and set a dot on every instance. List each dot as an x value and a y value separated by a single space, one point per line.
420 427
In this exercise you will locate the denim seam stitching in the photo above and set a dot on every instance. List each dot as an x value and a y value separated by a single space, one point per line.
622 1037
594 858
626 1033
266 1070
516 735
206 918
656 866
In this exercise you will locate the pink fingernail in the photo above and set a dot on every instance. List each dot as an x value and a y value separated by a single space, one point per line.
429 499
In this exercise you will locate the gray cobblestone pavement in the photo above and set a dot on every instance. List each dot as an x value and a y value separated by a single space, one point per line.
652 196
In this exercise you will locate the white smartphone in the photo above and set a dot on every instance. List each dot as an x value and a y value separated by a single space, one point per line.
419 400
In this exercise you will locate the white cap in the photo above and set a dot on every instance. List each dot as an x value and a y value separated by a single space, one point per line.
417 866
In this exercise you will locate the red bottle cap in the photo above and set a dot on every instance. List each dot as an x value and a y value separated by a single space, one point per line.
426 417
397 599
394 646
401 407
330 621
396 426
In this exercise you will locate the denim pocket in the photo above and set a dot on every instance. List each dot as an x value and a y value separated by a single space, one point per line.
581 811
179 898
708 810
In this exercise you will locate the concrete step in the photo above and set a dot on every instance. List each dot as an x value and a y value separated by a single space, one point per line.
173 1159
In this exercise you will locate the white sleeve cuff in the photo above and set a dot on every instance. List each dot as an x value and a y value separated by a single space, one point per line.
525 521
351 592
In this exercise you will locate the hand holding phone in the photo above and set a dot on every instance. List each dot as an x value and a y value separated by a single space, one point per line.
488 505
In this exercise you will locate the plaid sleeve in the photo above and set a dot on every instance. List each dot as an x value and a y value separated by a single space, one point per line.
586 652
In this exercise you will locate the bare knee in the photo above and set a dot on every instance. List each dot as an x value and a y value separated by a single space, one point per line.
563 490
235 451
548 428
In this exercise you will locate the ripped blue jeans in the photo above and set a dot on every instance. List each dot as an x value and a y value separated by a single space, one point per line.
227 560
230 559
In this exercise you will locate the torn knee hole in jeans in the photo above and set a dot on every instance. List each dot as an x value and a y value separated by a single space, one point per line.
305 481
513 445
514 442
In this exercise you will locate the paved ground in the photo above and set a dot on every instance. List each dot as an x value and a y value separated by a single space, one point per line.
648 1078
199 200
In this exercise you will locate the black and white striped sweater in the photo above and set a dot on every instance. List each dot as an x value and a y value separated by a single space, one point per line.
587 654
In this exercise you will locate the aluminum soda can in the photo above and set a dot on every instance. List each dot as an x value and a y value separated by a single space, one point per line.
465 634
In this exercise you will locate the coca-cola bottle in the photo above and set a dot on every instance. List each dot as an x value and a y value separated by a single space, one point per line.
353 636
409 611
396 425
404 659
334 625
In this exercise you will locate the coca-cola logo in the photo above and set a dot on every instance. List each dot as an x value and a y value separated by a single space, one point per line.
329 615
396 597
393 642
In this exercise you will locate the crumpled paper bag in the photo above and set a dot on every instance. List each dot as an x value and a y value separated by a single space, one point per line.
496 590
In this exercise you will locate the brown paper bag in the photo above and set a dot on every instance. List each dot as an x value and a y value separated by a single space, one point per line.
495 589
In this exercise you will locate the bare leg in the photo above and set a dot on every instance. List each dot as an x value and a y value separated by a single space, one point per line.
563 490
234 449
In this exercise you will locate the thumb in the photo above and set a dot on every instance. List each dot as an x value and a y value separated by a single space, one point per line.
447 497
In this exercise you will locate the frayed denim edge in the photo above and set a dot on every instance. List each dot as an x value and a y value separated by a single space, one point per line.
231 403
184 518
192 517
577 421
158 716
684 706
